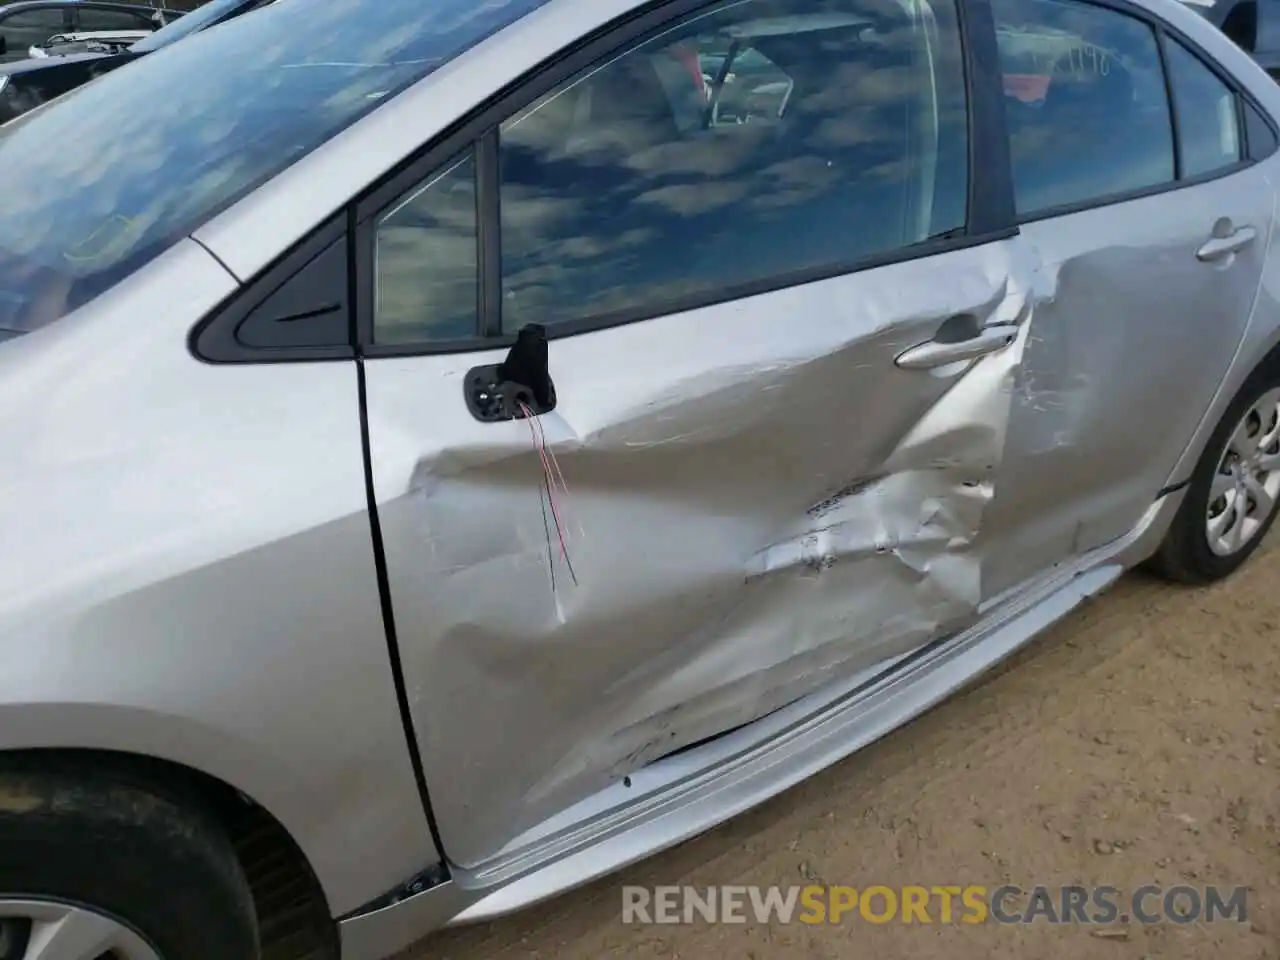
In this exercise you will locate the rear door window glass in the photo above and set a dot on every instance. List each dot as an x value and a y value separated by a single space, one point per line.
1086 104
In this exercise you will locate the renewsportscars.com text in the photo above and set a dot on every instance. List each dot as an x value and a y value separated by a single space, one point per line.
941 904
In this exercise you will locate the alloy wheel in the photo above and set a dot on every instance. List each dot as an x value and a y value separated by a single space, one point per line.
46 930
1246 484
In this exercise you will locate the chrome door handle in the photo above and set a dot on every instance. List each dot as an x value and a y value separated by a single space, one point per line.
1216 248
938 353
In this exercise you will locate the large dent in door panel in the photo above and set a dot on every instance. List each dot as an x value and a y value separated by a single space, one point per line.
733 553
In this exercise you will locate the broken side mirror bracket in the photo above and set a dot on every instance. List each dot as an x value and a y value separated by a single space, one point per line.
519 386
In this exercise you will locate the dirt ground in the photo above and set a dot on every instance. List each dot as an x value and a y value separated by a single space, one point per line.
1135 743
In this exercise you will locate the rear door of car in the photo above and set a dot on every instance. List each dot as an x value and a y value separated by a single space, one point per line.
25 27
1151 221
779 343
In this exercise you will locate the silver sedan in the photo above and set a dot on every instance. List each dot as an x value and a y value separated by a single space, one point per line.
453 450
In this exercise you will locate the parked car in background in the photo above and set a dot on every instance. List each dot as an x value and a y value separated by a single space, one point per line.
443 463
30 23
100 41
26 84
1253 24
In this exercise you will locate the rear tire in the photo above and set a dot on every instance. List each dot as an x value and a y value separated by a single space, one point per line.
79 847
1234 491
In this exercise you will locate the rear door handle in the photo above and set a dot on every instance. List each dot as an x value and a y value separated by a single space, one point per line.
1216 248
938 353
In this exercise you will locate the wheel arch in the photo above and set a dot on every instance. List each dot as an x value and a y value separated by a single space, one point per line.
288 896
1263 354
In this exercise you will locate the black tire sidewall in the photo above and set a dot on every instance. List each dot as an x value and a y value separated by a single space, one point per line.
162 869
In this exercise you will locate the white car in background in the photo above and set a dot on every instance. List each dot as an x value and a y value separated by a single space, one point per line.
98 41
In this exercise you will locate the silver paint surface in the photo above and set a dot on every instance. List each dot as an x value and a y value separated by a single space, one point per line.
1125 354
763 509
760 503
186 572
682 796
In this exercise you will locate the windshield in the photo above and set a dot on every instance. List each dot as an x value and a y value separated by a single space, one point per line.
211 12
166 143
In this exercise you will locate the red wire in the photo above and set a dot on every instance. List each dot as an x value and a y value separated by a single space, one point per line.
540 445
559 475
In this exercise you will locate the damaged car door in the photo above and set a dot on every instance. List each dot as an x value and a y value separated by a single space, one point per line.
1151 248
676 421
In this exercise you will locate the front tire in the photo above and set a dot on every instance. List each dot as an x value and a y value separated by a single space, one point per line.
1231 501
94 868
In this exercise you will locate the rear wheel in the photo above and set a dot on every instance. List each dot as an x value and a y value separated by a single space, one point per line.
95 869
1231 501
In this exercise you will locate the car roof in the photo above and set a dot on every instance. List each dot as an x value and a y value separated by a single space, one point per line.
23 4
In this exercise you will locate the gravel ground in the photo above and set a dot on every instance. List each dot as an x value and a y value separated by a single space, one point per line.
1135 743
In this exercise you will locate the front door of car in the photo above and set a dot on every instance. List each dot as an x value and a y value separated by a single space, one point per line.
1151 257
778 413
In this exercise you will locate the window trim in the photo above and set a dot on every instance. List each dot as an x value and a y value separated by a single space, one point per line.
1171 103
214 339
1163 31
1238 96
489 233
990 214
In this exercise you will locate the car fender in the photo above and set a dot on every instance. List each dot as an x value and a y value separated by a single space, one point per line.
187 572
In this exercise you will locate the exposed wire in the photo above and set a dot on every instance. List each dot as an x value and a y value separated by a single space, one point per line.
552 481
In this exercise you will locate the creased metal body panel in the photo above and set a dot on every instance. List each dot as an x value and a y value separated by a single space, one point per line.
759 503
1124 356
